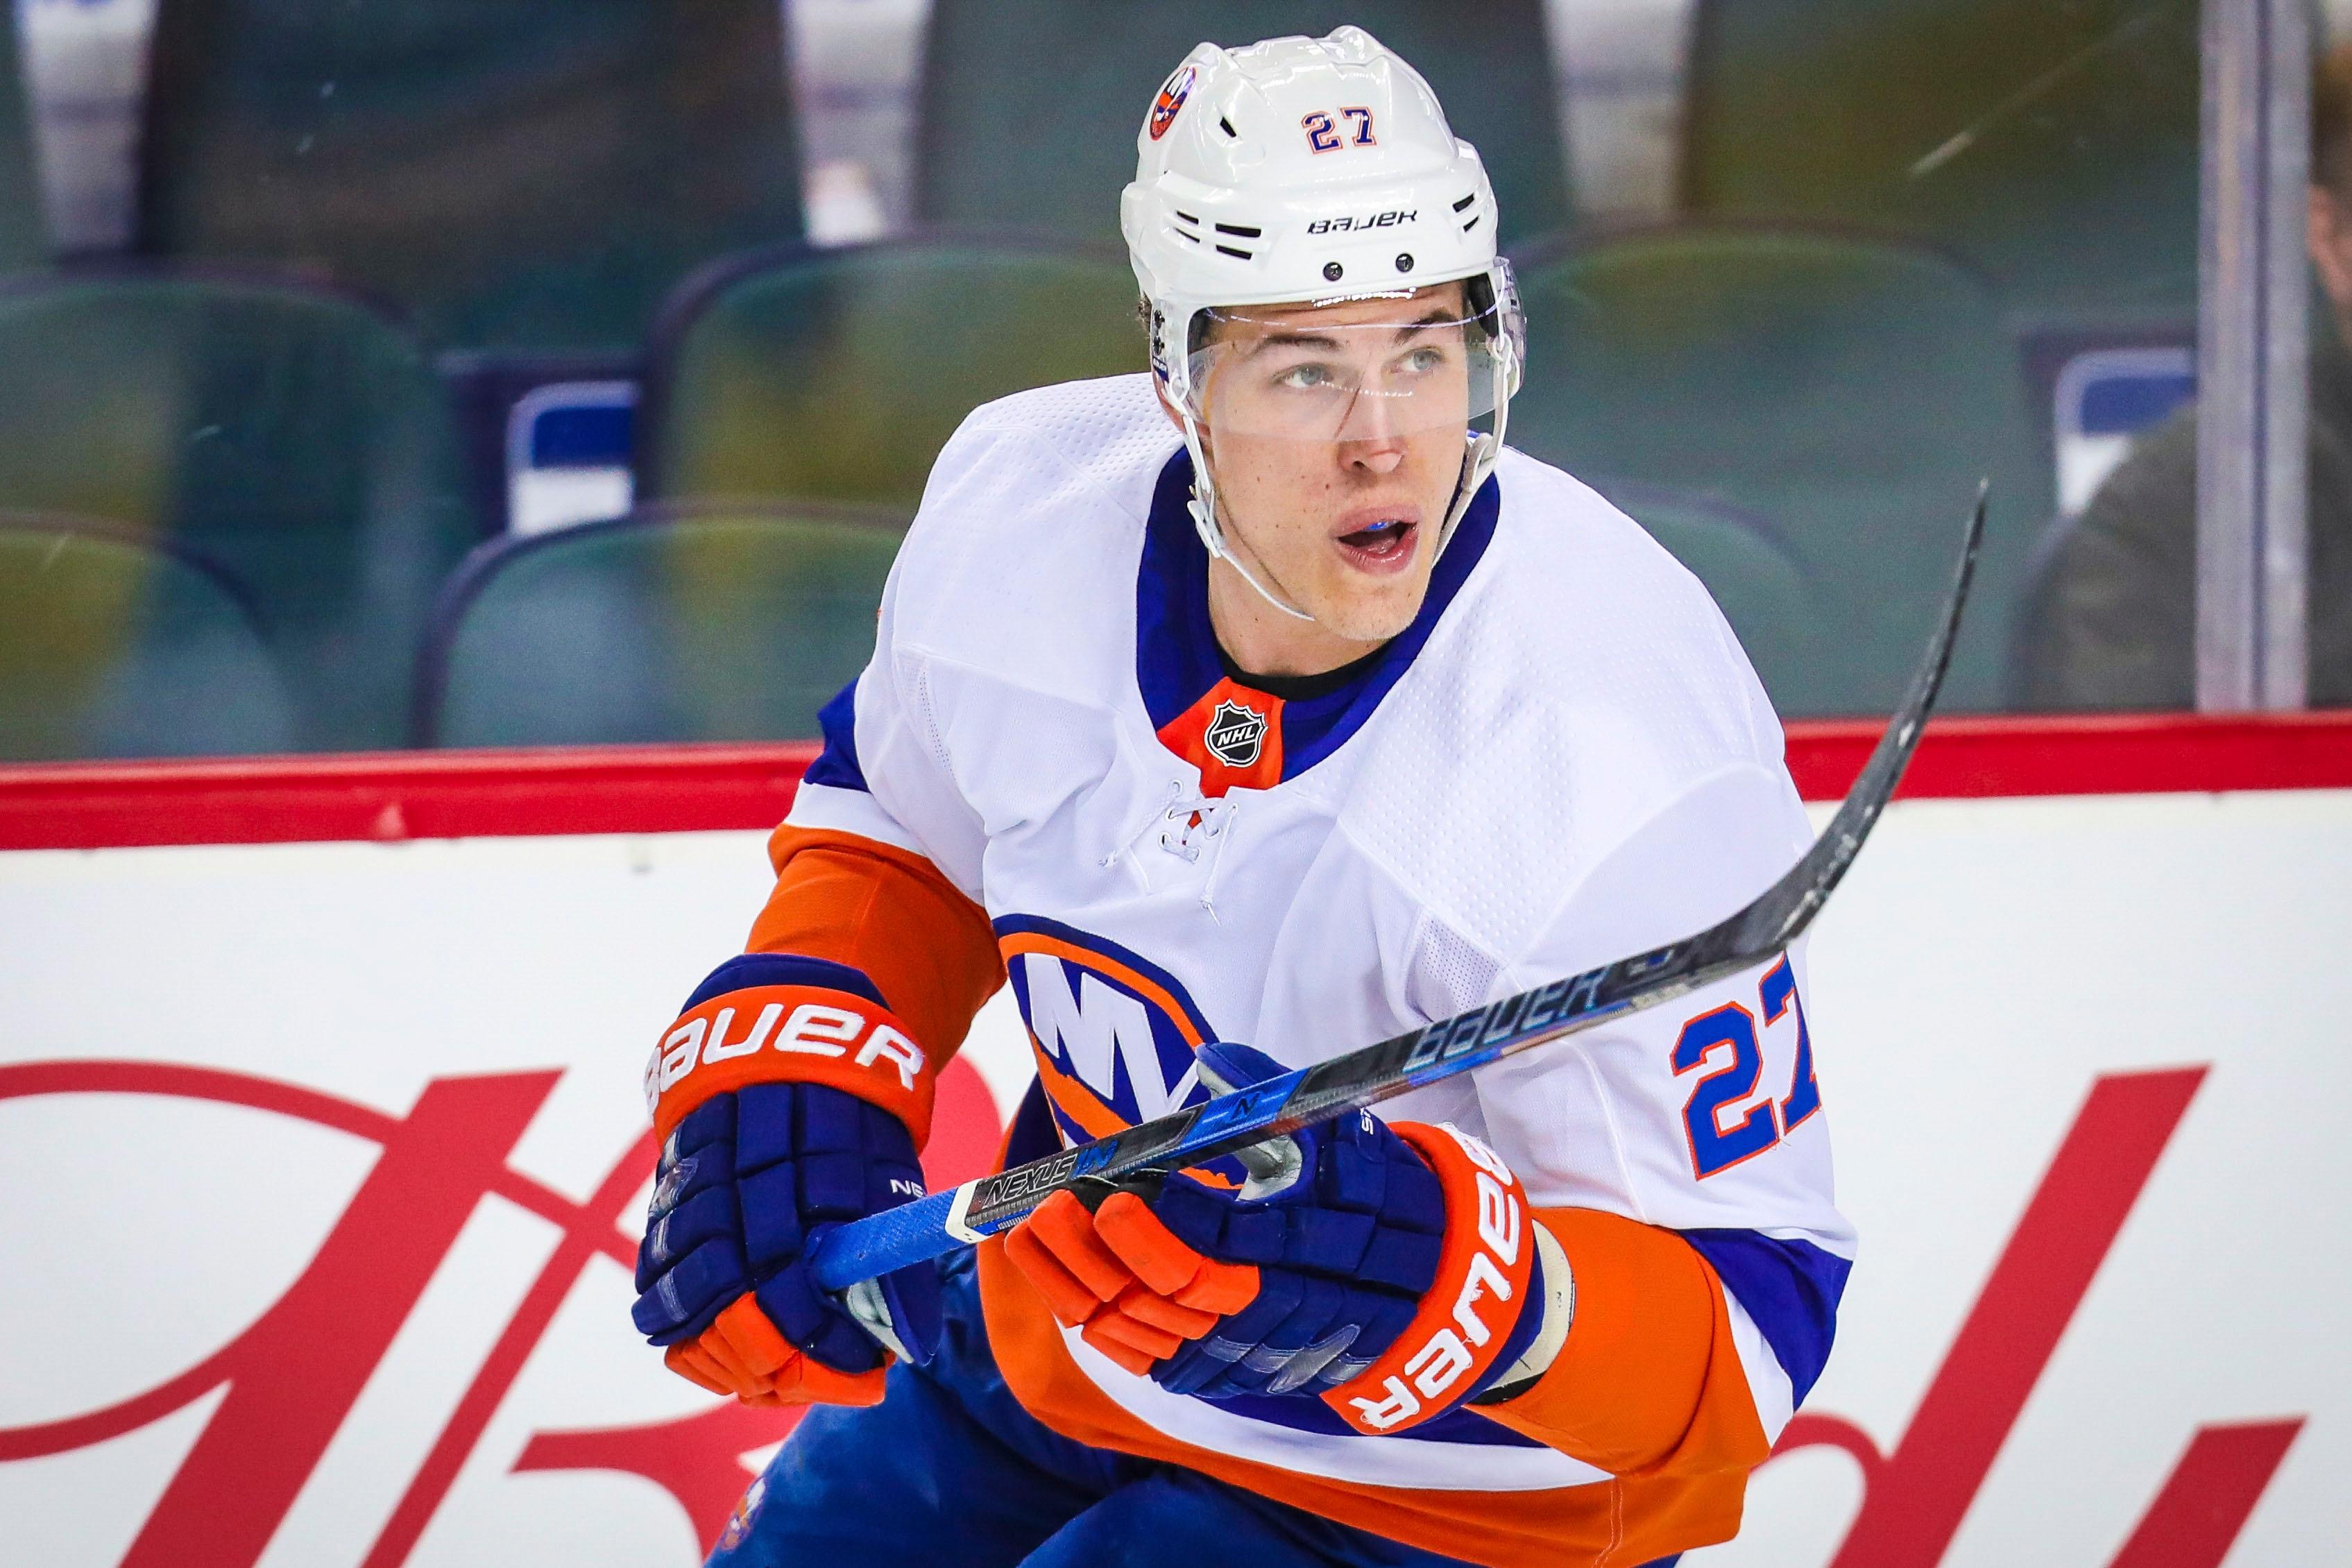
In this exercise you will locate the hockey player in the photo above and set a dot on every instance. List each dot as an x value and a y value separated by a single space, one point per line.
1240 714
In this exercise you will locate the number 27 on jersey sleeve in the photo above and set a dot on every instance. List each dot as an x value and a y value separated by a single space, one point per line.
1732 1029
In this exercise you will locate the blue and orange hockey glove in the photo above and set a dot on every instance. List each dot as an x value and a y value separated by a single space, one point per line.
1390 1271
788 1099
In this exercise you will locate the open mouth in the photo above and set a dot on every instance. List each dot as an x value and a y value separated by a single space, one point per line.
1384 546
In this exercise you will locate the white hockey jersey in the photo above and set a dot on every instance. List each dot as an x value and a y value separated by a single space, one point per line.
1564 759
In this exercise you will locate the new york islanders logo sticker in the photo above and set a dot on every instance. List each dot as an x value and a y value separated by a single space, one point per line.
747 1514
1236 735
1114 1032
1171 99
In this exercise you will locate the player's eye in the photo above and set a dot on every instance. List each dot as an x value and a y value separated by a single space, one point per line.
1421 361
1309 377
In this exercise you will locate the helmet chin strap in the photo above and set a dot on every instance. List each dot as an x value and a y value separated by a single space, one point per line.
1213 535
1483 449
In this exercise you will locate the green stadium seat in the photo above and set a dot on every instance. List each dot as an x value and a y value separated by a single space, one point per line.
1758 586
1029 113
22 231
2053 145
524 175
718 623
1849 392
113 648
294 438
838 374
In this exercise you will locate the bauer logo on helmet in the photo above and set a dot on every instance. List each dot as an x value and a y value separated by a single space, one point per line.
1389 219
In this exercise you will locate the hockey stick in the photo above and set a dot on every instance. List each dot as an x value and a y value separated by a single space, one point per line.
923 1229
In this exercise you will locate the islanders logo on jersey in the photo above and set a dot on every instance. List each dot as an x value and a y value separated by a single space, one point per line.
1172 98
1113 1033
747 1512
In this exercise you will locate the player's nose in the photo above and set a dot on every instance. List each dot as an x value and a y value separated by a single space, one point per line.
1370 442
1380 456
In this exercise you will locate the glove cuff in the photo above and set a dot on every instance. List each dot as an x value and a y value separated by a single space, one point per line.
773 1018
1467 1319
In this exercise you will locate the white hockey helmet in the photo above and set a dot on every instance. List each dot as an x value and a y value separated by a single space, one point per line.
1311 170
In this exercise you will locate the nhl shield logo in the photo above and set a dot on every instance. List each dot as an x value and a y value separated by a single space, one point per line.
1236 735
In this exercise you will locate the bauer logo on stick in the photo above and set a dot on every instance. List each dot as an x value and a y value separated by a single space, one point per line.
1171 99
1236 735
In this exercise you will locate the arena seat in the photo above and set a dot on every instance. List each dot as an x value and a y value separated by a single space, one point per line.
2036 654
1756 583
678 622
1029 113
295 438
838 374
533 174
1850 392
23 230
111 647
2054 146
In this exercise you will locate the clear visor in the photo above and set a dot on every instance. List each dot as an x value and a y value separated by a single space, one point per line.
1351 371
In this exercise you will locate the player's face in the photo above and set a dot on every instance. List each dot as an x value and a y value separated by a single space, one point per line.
1335 437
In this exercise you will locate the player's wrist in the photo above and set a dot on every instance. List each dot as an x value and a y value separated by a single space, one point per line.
1473 1323
782 1018
1551 1304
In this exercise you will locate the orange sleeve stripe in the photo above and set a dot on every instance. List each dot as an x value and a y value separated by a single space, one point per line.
889 913
1617 1523
1649 1381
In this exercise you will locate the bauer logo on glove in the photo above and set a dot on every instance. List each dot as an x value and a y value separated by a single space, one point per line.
766 1149
817 1027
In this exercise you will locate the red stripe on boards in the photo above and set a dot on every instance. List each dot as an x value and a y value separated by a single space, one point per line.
2119 754
393 796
